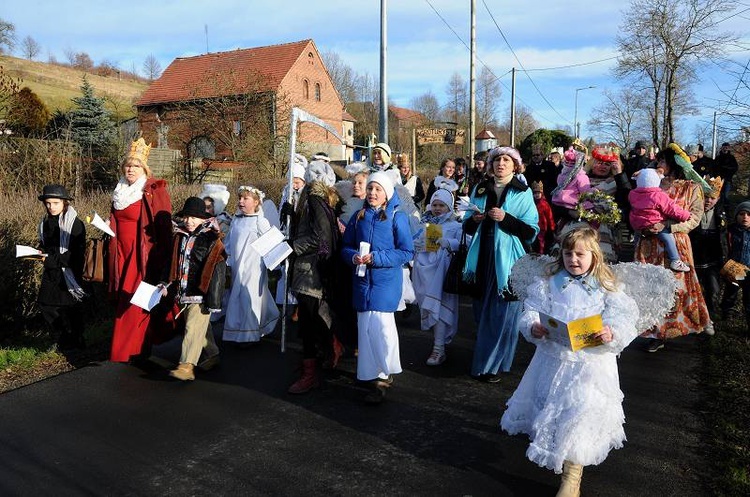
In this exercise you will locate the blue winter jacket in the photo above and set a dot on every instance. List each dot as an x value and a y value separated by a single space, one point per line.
391 246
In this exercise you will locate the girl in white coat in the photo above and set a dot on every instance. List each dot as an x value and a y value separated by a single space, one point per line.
438 310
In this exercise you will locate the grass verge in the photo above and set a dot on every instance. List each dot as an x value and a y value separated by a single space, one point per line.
727 409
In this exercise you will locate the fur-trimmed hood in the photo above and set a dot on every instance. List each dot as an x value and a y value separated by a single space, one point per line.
328 193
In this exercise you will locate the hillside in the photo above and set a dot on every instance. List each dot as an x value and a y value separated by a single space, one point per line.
57 85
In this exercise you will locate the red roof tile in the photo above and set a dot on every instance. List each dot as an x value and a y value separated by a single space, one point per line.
188 78
403 114
345 116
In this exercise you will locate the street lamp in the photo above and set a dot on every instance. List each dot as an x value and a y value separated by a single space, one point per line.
575 118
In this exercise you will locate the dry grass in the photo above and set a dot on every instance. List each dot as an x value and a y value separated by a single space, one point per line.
57 85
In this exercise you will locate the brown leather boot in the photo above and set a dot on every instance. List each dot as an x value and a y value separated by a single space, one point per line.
183 372
309 379
570 483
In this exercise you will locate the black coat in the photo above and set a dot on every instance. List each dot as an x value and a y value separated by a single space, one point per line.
206 269
725 166
53 290
316 241
546 172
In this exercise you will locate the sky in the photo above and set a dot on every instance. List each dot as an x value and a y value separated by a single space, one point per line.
427 44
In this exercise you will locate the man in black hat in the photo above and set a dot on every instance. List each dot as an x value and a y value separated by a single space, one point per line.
637 160
63 240
703 165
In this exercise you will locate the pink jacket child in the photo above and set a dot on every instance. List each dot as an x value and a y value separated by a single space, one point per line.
649 205
572 181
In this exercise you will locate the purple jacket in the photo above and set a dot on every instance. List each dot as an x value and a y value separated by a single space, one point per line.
652 205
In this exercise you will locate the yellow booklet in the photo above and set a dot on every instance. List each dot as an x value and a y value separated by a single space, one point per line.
576 334
433 232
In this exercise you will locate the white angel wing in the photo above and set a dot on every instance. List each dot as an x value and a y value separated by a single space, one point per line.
652 287
528 270
408 207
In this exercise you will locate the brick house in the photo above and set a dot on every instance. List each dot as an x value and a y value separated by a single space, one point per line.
236 105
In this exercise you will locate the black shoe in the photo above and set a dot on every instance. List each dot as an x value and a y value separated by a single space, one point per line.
487 378
656 344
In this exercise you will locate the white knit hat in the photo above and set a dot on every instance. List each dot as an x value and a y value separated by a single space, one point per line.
219 194
648 178
298 171
444 196
319 170
385 181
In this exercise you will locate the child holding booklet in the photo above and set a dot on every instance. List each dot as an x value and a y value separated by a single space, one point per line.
570 403
376 292
439 310
250 311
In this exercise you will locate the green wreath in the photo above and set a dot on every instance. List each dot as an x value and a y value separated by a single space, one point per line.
604 211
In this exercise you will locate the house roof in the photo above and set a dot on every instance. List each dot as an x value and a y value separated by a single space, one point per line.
345 116
485 134
403 114
190 78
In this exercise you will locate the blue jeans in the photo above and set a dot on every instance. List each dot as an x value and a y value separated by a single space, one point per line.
670 246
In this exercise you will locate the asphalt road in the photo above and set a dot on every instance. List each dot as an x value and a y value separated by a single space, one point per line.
113 429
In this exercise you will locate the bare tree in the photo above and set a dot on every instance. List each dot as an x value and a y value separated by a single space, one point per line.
621 118
70 56
428 105
525 123
659 39
342 74
488 99
457 108
151 67
7 36
30 48
83 61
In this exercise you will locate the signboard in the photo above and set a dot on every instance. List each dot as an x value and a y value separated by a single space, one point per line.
447 136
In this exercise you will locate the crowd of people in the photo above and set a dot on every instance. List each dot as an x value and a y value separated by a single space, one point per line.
363 248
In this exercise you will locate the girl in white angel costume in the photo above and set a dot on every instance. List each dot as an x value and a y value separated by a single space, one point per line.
250 311
438 310
570 403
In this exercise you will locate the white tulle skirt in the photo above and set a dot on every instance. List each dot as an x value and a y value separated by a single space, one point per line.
571 410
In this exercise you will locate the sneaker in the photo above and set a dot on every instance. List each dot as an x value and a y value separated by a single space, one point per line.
655 345
436 358
679 266
709 329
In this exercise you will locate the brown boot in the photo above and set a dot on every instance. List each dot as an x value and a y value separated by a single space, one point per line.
183 372
309 379
570 483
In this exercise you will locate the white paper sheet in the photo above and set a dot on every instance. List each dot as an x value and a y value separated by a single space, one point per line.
98 222
26 251
146 296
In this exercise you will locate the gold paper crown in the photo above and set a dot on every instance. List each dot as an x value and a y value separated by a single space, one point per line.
139 151
715 184
537 186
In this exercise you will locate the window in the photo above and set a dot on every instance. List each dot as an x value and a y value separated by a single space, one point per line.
201 147
317 92
237 128
305 89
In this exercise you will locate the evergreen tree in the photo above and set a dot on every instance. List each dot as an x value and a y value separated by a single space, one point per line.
91 126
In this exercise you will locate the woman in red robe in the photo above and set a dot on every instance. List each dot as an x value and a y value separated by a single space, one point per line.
141 217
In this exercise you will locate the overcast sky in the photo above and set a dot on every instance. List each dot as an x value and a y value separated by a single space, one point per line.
423 52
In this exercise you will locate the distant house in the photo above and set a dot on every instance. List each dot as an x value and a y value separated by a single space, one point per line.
401 125
236 105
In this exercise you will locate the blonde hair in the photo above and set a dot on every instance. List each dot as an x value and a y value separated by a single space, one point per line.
589 238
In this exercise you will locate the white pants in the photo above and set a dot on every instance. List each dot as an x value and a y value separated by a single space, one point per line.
378 345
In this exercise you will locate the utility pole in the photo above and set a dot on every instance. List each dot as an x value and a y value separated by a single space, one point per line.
472 84
713 139
513 108
383 125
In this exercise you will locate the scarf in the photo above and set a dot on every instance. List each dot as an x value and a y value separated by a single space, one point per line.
126 194
508 248
66 220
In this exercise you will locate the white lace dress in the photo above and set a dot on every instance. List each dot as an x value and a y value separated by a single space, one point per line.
570 403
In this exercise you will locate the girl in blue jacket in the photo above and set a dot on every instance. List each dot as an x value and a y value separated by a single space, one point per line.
377 292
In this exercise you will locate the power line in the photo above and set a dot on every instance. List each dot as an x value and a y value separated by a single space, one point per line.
520 63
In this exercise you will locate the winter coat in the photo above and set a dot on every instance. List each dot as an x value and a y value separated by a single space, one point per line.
705 166
705 239
738 242
391 246
53 290
568 196
316 240
649 206
546 172
206 268
725 166
155 235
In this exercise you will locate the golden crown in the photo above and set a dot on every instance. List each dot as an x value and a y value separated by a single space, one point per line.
139 151
715 184
537 186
